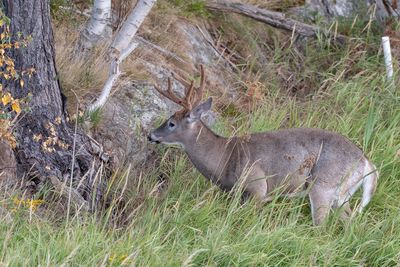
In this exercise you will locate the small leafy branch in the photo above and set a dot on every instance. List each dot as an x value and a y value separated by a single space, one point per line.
10 107
31 204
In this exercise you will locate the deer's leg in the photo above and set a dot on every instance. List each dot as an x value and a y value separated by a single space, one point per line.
321 200
257 188
256 184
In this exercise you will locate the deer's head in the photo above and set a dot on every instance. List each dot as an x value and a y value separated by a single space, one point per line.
185 123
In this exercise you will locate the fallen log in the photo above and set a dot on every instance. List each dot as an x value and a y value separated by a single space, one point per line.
275 19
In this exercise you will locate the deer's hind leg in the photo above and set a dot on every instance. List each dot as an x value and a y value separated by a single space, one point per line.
324 199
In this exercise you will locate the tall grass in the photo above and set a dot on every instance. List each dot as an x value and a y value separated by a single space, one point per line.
193 223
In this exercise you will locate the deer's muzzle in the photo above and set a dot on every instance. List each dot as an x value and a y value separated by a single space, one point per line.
153 139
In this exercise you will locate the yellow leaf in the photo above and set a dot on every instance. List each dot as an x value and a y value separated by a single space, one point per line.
9 62
58 120
15 106
37 137
21 82
6 99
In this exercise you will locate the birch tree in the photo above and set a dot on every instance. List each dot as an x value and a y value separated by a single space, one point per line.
98 27
123 45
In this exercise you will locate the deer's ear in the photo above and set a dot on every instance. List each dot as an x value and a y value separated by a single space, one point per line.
200 109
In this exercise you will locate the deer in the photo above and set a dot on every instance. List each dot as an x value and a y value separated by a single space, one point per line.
322 164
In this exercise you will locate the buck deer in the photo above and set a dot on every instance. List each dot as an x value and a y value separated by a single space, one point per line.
325 165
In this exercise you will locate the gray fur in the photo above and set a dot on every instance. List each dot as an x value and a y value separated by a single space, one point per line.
325 165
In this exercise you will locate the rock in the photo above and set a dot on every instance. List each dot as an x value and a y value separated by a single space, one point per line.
127 119
331 8
349 8
196 43
136 107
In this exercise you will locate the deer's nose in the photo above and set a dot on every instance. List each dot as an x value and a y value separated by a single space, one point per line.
152 138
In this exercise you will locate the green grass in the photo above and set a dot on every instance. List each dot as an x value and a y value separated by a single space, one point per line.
193 223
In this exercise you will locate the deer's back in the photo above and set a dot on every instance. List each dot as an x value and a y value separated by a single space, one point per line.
300 150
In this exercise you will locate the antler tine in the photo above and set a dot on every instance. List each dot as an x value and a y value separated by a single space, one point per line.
200 89
170 95
161 91
180 79
192 96
189 90
188 95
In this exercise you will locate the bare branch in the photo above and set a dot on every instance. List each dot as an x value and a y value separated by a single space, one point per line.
275 19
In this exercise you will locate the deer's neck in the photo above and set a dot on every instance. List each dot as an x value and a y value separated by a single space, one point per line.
208 152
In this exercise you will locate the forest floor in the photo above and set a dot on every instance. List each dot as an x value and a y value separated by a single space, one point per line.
193 223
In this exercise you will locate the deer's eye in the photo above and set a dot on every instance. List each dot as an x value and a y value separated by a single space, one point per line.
171 124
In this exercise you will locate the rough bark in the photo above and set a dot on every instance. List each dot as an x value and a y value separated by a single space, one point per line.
275 19
53 155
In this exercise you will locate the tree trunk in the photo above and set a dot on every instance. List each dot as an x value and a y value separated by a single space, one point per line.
98 27
58 152
131 25
122 46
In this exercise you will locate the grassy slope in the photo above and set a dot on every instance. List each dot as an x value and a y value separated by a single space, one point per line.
193 223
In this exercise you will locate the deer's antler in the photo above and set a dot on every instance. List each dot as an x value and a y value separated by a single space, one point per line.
192 96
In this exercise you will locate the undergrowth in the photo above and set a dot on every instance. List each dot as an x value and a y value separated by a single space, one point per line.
193 223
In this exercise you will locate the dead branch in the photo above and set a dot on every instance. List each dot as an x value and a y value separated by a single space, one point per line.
275 19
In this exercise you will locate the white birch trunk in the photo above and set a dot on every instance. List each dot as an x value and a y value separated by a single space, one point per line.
128 30
98 27
113 76
122 46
